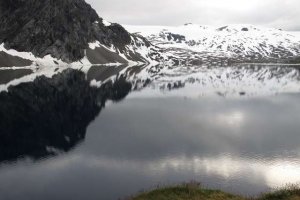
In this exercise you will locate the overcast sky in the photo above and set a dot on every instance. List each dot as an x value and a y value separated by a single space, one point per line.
283 14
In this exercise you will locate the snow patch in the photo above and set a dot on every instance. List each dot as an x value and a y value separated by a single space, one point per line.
94 45
106 23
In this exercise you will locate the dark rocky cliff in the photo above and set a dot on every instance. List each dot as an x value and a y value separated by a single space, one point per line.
61 28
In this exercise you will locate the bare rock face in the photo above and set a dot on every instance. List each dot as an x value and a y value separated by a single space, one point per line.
61 28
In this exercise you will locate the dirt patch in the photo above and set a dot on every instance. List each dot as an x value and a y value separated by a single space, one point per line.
100 55
7 60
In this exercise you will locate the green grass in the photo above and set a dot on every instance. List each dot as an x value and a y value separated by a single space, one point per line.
195 192
289 193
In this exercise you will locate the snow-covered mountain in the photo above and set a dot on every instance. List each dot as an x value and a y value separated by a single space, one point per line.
197 44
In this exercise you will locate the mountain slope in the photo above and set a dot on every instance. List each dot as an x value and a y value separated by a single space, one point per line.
63 29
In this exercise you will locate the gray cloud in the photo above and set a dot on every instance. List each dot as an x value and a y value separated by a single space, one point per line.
283 14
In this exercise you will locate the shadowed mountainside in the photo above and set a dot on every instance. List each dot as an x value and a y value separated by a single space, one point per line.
61 28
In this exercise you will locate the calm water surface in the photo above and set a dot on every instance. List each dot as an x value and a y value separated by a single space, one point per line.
241 145
245 145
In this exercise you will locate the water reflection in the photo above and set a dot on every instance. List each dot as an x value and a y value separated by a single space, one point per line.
246 150
8 75
102 73
50 115
241 80
239 145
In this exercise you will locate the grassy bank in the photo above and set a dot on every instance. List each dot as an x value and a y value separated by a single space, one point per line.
195 192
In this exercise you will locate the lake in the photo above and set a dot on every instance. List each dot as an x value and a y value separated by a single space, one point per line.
222 132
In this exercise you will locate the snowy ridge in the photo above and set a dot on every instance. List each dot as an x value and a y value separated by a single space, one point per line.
222 45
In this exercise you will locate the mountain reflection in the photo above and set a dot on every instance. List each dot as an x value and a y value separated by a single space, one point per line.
50 115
